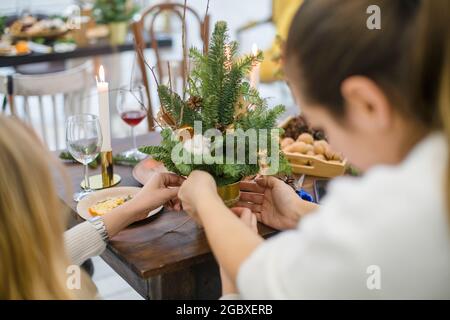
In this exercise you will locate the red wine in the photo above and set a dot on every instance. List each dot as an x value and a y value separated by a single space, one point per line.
133 118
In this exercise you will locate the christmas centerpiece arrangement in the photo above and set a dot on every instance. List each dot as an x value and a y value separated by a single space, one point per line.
219 124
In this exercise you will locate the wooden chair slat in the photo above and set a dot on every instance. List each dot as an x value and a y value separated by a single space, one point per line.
138 30
42 119
55 121
51 86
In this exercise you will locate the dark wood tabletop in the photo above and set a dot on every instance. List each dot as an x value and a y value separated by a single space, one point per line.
156 263
91 50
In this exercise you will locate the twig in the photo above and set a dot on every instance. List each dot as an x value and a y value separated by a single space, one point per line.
179 225
132 72
183 35
148 66
207 9
169 74
204 27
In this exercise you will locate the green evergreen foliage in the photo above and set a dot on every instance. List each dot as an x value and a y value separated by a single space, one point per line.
218 83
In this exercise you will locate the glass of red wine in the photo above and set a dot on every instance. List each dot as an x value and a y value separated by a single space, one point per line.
132 108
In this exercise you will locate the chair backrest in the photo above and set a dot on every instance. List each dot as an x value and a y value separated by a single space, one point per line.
38 99
138 27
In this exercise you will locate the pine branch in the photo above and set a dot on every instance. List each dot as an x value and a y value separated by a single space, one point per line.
230 96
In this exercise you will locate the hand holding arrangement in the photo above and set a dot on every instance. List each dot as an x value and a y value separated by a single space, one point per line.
199 188
161 189
274 202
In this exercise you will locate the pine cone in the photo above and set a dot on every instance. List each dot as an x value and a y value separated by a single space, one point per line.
195 102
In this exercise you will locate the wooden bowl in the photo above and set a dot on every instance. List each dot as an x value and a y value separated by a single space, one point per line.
310 165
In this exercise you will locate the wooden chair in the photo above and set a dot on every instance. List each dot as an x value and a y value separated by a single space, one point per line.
48 92
138 27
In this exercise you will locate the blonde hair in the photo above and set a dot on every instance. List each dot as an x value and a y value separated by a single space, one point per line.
33 261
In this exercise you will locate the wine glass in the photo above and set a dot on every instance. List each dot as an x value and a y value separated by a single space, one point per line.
84 141
132 108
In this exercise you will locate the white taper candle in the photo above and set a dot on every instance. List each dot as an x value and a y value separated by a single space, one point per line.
103 103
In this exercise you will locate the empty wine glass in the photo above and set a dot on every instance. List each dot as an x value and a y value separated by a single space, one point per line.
84 141
132 108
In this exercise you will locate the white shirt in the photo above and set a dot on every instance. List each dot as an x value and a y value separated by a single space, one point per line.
392 222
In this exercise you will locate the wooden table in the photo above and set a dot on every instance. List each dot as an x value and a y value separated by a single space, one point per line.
157 264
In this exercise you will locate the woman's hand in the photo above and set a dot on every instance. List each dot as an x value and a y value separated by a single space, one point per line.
230 240
162 188
199 188
274 202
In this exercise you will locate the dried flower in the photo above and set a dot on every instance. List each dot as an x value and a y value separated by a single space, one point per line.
198 145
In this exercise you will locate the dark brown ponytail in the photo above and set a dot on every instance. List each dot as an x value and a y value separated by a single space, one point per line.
329 41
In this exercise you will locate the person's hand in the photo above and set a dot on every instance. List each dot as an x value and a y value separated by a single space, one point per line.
199 187
249 219
161 189
274 202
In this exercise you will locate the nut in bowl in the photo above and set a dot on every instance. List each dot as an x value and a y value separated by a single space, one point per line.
311 156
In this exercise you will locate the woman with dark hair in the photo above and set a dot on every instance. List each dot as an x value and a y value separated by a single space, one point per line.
383 98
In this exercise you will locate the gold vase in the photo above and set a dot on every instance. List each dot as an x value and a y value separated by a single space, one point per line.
117 32
229 193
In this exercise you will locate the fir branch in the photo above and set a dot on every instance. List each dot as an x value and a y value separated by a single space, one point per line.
230 95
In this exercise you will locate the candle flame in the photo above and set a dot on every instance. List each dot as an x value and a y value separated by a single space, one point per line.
101 74
255 49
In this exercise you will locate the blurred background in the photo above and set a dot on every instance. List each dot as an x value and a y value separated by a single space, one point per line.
121 67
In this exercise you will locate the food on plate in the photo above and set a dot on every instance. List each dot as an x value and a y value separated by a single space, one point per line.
99 31
29 26
6 49
105 206
22 47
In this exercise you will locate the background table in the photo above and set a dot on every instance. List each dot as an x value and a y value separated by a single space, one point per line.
164 41
157 264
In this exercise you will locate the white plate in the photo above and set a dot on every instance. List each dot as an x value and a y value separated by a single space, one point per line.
87 202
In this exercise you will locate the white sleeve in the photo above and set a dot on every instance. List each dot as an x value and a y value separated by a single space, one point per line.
320 259
83 242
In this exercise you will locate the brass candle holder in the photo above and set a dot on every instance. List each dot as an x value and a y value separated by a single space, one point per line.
107 169
107 178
